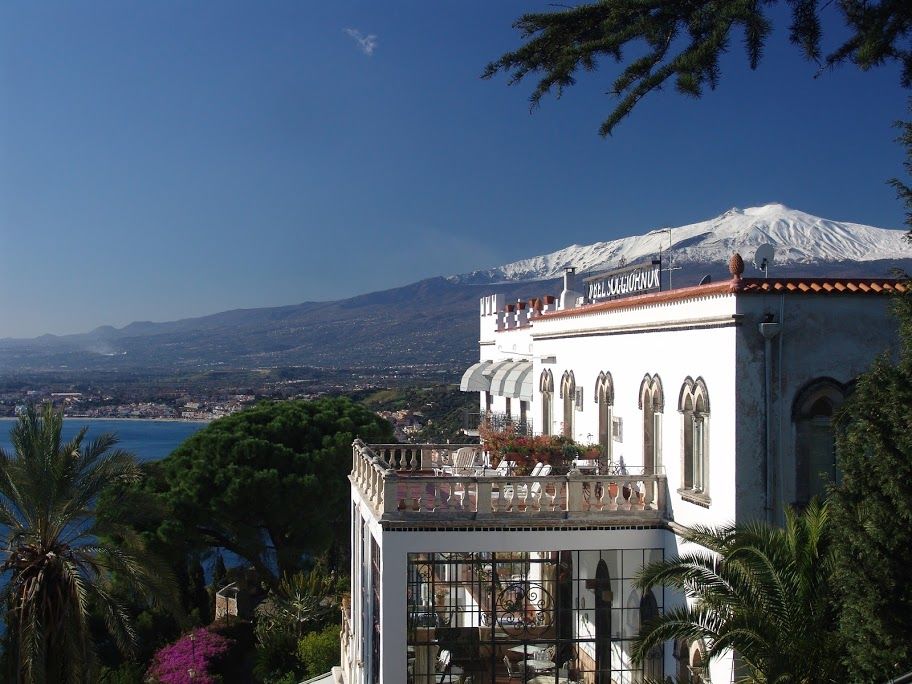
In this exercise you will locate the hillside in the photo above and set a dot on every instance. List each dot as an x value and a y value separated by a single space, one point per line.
433 323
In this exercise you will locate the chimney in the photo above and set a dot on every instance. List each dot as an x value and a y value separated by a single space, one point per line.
569 297
569 274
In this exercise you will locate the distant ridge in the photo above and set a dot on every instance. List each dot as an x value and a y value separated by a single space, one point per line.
432 324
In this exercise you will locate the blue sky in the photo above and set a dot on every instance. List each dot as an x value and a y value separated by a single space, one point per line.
167 159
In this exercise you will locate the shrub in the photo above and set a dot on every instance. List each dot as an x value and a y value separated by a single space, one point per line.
197 652
319 651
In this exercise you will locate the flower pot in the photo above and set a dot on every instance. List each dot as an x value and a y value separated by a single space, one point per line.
612 496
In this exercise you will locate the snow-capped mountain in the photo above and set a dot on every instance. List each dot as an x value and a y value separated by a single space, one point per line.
798 238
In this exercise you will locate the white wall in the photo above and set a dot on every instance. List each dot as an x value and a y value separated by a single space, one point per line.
672 340
822 336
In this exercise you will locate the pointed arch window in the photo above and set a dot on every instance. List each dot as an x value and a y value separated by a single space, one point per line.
546 388
691 665
652 403
652 665
693 404
604 397
568 394
815 445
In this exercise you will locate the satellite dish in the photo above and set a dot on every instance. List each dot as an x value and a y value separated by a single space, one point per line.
763 257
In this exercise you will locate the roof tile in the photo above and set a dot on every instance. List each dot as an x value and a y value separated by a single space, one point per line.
747 286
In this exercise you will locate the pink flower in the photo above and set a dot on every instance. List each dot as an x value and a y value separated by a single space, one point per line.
188 660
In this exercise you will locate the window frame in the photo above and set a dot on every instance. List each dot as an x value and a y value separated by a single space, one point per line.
604 398
652 404
693 405
805 418
546 388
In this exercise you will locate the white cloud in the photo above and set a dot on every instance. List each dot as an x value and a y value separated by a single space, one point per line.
367 43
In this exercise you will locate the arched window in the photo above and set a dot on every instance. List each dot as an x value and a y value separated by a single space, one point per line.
604 397
815 446
652 666
691 667
693 404
697 667
546 387
603 601
568 394
652 402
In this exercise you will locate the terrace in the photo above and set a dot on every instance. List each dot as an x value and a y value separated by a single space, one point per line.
419 483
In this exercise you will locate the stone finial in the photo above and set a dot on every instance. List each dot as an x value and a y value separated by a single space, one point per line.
736 266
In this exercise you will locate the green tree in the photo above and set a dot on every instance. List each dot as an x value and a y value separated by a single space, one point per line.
872 512
219 572
198 600
683 41
268 483
761 590
903 191
58 565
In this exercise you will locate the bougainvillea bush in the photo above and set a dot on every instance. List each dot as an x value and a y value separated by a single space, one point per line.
190 659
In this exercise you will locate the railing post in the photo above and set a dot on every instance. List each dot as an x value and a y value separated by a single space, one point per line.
574 491
390 490
661 484
483 498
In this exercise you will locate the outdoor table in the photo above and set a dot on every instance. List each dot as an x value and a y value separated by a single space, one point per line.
528 648
536 665
587 464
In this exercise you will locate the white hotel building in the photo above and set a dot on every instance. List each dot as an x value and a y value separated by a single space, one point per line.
712 403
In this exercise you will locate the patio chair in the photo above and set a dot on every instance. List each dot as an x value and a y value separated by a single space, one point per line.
447 672
517 671
463 462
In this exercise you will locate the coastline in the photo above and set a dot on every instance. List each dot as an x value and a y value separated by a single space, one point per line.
145 420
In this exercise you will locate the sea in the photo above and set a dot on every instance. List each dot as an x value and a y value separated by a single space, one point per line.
149 440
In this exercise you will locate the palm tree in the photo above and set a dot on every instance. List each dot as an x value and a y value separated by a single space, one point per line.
56 560
761 590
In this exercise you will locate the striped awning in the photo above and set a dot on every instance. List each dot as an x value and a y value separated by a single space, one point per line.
474 379
513 380
479 375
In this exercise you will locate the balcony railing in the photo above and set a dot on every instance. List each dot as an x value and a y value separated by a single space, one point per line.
400 482
498 420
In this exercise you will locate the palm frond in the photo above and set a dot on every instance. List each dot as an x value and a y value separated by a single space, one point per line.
760 590
57 566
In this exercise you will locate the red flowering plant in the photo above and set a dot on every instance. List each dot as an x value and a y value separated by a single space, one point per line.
523 450
507 443
190 659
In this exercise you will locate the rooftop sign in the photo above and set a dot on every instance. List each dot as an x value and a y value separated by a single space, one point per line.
625 281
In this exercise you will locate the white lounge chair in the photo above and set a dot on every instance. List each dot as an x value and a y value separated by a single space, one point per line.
463 462
540 470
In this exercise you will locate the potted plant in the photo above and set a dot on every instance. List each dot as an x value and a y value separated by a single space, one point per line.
571 450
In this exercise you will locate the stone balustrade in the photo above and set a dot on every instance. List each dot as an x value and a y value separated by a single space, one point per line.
400 482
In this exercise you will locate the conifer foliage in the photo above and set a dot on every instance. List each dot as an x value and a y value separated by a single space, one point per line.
872 515
682 41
